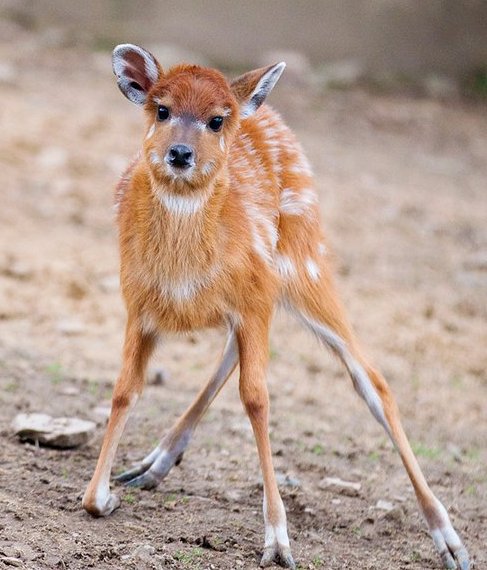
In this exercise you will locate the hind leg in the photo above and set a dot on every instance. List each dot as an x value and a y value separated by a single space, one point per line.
315 303
157 464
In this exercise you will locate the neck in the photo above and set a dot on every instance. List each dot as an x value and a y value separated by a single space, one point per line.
185 224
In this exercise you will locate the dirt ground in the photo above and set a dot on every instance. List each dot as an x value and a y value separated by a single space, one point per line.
403 186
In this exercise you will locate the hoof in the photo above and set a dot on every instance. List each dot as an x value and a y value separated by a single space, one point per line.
277 553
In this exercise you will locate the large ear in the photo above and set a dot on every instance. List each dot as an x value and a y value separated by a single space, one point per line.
136 70
252 88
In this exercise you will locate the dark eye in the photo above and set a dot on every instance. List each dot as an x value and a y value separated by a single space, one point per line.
162 113
215 124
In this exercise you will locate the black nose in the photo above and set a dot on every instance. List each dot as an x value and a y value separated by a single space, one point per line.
180 155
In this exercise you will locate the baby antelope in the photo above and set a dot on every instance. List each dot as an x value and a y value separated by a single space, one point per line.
219 224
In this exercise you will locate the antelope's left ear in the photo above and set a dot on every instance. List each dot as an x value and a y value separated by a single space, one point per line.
252 88
137 70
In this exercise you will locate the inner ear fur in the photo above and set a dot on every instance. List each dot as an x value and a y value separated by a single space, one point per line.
136 70
252 88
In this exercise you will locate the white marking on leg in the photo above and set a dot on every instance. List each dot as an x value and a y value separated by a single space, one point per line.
361 381
445 534
312 269
275 533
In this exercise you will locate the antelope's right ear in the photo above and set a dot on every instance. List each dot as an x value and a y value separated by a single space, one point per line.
137 70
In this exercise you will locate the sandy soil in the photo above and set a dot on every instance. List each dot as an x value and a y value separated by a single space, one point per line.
403 193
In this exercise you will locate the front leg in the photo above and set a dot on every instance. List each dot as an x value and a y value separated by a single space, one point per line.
138 346
253 350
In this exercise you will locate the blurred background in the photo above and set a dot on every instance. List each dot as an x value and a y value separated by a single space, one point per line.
439 45
388 98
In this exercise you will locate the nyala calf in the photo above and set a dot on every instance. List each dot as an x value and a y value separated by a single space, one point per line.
219 223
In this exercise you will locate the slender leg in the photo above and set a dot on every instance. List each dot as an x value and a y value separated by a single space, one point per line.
253 349
317 307
155 466
98 500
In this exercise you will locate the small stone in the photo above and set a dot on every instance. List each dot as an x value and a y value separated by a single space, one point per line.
285 480
70 391
53 432
476 262
11 561
157 376
102 412
110 283
52 157
18 270
144 551
70 327
339 486
396 515
382 505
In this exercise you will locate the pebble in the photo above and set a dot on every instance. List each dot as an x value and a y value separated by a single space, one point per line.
53 432
102 412
70 327
157 376
8 74
11 561
70 391
286 480
476 262
110 283
342 487
382 505
52 157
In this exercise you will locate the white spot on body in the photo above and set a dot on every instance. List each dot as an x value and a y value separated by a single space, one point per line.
285 267
321 248
222 144
181 290
148 324
312 269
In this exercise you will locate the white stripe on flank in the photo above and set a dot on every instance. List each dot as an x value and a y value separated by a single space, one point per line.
297 202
